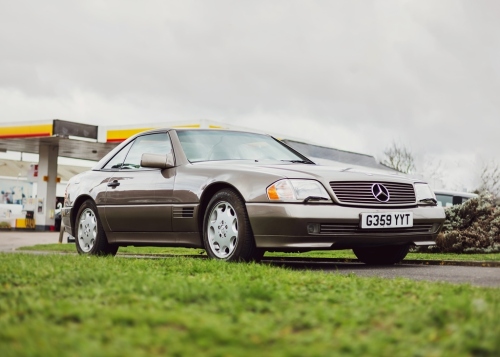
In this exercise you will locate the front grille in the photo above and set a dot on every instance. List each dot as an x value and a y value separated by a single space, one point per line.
360 193
343 229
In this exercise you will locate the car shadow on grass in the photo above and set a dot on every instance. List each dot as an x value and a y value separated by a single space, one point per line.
333 266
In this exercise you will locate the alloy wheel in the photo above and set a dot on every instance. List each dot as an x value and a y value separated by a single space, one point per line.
222 229
87 230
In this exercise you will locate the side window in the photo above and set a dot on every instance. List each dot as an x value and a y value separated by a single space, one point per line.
117 160
444 200
150 144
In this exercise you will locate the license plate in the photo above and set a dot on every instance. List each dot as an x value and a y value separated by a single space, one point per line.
386 220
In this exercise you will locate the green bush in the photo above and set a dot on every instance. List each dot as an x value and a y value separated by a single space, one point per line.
5 225
472 227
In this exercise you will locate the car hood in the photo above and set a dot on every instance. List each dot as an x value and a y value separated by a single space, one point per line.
308 171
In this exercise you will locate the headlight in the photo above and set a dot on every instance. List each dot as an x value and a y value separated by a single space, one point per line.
293 190
424 194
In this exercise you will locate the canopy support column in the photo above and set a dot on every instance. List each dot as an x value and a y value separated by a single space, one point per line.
46 187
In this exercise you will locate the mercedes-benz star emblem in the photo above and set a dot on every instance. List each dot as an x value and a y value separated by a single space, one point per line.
380 192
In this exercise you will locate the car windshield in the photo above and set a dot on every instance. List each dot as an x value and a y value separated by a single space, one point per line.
206 145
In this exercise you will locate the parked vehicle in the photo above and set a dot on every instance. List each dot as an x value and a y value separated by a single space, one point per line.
239 194
449 198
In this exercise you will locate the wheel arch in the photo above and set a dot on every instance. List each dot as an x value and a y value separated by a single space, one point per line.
74 211
207 195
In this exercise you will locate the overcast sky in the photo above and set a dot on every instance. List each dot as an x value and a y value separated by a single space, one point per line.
355 75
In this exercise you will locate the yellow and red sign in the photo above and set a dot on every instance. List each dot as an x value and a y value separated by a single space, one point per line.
25 131
119 135
112 135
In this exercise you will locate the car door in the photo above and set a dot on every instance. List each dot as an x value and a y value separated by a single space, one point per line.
138 199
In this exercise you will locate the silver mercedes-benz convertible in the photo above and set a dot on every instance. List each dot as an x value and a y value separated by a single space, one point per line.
240 194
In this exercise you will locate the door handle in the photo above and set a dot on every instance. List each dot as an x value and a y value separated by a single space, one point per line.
113 184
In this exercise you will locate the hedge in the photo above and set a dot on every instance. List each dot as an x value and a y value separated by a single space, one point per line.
472 227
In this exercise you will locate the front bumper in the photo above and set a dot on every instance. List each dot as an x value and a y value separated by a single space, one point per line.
66 219
285 226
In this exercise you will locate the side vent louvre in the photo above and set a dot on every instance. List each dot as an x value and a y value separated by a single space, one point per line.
183 212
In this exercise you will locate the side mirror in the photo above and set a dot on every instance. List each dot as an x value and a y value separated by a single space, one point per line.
158 161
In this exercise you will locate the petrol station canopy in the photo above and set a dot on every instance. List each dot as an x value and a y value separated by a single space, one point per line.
75 140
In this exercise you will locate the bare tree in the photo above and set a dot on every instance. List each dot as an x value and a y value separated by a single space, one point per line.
490 178
431 168
399 158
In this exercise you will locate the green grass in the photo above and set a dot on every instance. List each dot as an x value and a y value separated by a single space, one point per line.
343 254
69 305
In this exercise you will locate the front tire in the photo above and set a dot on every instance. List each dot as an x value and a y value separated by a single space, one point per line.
385 255
227 234
90 236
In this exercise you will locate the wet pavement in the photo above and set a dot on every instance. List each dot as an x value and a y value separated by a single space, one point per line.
11 240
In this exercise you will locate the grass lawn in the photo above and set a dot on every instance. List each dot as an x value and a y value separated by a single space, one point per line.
492 257
70 305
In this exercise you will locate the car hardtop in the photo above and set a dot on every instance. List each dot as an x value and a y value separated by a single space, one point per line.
101 163
284 169
455 193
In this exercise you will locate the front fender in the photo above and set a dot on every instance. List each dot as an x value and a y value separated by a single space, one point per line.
191 182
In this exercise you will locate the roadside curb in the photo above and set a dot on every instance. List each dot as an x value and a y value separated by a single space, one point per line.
485 264
404 262
453 262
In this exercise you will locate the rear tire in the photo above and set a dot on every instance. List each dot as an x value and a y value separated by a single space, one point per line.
385 255
90 236
227 234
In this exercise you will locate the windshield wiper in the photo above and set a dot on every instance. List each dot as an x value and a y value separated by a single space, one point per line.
429 200
299 161
316 198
